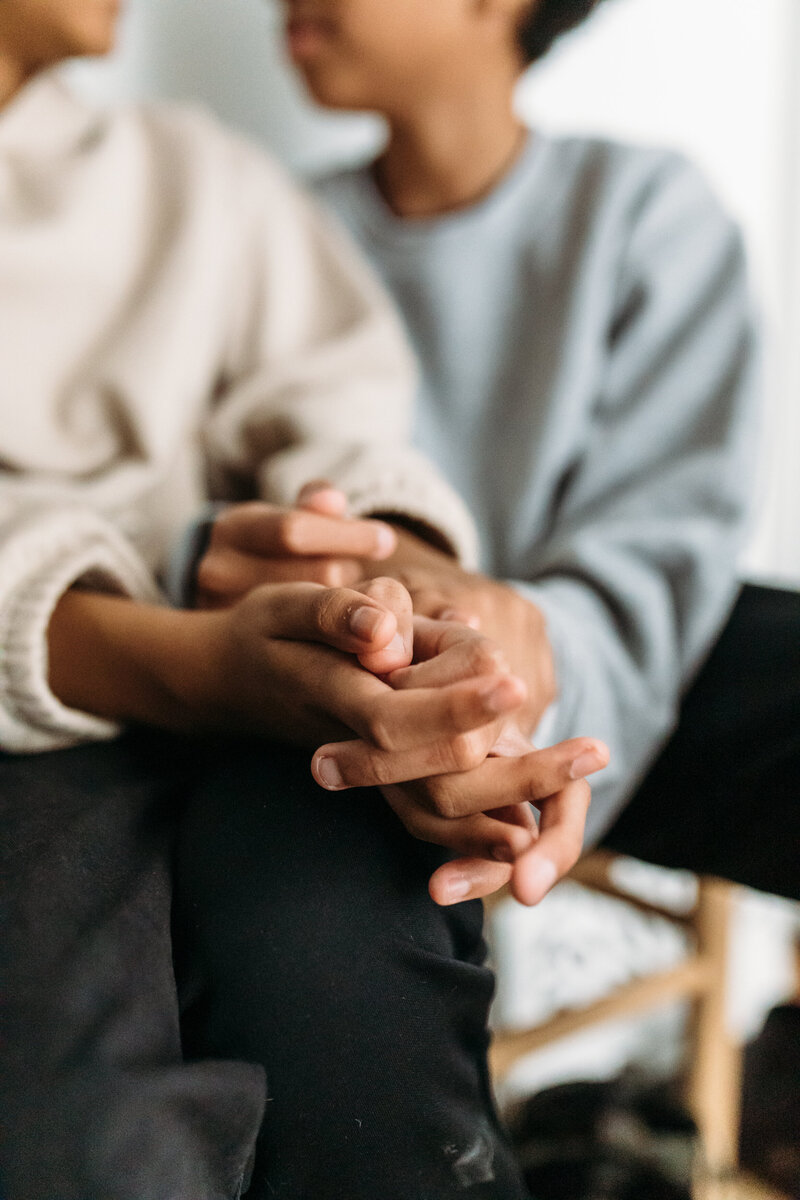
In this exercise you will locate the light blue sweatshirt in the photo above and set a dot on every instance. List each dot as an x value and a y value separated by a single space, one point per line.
588 353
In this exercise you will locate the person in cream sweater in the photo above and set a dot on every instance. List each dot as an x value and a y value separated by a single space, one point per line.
178 324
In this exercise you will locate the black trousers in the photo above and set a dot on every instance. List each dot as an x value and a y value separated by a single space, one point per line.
318 984
724 796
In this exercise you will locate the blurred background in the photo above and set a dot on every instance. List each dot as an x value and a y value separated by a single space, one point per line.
719 79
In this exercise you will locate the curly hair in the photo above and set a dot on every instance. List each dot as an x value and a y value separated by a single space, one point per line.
547 20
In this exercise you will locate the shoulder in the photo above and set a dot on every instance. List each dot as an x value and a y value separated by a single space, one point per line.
188 141
640 210
626 180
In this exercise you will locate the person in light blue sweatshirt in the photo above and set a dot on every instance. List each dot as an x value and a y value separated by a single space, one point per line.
589 353
581 312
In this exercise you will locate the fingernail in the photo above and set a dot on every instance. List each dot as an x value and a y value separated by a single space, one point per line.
329 774
541 877
385 541
586 763
364 622
502 854
457 889
502 696
396 645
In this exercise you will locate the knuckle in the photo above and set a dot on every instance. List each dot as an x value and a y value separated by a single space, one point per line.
379 731
534 791
444 804
381 771
466 751
290 532
482 657
327 611
212 575
538 790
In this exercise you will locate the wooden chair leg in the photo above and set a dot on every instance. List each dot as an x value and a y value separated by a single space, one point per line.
715 1072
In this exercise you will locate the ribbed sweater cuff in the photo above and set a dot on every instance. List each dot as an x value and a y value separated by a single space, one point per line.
380 479
41 560
422 498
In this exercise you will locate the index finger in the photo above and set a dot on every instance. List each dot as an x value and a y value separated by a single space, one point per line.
260 529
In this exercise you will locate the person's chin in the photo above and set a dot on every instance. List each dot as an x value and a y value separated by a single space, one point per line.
329 89
94 43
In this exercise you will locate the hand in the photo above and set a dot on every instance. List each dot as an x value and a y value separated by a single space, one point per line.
474 805
503 845
257 543
282 662
441 589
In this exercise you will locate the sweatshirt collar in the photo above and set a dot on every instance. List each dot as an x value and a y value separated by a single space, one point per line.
45 119
516 185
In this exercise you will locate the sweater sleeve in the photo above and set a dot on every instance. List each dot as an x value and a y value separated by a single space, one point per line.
321 380
44 549
639 571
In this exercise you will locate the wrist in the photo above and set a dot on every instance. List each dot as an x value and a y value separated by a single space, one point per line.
126 661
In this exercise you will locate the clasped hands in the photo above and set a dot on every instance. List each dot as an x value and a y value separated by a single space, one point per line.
442 722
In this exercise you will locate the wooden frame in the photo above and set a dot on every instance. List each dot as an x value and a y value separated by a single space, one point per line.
714 1077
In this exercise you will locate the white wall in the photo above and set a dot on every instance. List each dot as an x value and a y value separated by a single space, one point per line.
718 78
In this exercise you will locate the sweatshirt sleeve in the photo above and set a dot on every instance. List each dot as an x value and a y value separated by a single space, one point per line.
321 381
44 549
638 574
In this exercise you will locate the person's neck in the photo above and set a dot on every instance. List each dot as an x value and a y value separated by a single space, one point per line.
449 155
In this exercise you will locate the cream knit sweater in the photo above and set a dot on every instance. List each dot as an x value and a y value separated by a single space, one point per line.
177 322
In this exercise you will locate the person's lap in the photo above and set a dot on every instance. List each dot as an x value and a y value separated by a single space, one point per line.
312 948
723 798
321 956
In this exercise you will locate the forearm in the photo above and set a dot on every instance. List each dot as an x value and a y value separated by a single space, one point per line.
126 661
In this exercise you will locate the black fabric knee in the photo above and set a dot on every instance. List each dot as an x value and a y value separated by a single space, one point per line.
322 957
95 1102
724 796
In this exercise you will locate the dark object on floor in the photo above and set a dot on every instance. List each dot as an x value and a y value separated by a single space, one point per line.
770 1140
624 1139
